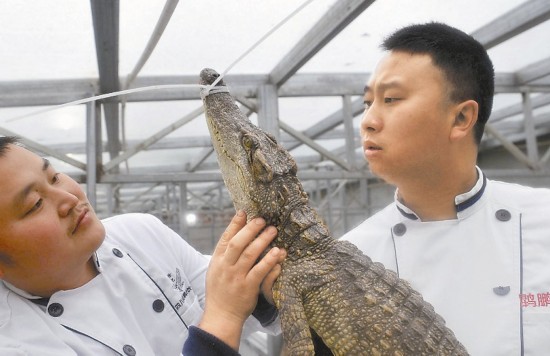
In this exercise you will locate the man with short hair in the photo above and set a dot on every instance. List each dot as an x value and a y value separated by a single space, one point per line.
477 249
71 284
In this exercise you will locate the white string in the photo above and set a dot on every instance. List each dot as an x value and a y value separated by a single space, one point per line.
285 20
213 90
205 89
108 95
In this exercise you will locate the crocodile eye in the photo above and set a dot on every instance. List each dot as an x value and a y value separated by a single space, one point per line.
247 142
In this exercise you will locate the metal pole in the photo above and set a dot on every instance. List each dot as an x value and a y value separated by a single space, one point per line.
182 211
91 152
529 126
268 109
349 130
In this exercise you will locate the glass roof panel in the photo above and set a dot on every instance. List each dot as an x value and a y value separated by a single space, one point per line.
46 40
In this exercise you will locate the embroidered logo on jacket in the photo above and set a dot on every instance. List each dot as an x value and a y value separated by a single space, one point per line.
179 284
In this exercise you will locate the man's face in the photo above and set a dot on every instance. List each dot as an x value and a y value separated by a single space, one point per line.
48 230
407 120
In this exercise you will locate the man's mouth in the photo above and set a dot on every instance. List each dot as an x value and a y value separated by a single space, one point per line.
80 218
370 146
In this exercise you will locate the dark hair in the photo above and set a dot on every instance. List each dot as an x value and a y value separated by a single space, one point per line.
463 60
5 141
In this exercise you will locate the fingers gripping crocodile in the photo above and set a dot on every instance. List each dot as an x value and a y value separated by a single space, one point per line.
357 307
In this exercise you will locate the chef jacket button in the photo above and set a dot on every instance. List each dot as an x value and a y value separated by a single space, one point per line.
503 215
55 309
117 253
400 229
158 305
129 350
500 290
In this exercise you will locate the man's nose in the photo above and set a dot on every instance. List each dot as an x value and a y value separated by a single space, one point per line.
66 201
370 122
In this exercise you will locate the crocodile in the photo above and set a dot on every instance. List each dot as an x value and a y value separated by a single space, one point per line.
327 287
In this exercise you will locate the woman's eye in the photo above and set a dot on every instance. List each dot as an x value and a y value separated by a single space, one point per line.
367 104
55 178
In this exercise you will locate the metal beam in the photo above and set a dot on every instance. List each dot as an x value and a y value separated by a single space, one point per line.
513 149
521 18
529 128
189 142
334 20
198 159
515 131
45 92
37 147
105 17
349 129
501 114
330 122
57 92
93 155
217 177
303 139
268 109
534 71
152 139
314 145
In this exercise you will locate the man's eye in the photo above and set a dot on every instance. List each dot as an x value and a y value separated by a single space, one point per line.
367 104
35 207
55 178
390 100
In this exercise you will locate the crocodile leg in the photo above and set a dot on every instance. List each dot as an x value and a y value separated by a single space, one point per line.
296 332
321 349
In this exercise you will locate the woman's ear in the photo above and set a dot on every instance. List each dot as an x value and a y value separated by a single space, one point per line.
465 119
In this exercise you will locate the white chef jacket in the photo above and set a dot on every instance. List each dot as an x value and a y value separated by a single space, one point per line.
486 272
149 290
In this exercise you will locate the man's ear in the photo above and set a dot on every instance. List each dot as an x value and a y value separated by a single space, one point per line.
465 119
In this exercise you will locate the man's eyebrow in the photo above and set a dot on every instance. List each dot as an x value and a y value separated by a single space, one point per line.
383 86
46 164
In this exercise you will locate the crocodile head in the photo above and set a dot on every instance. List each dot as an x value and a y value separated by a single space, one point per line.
259 174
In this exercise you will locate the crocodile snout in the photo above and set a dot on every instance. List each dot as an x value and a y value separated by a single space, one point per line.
208 76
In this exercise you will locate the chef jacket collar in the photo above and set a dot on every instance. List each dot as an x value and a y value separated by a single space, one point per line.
42 300
21 292
462 201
